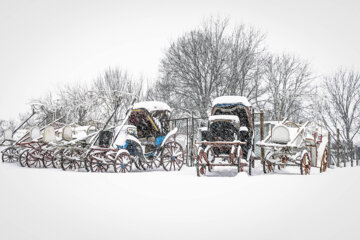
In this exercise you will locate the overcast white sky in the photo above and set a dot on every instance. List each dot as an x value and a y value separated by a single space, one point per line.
45 43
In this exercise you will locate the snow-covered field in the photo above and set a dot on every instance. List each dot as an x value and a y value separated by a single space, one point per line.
52 204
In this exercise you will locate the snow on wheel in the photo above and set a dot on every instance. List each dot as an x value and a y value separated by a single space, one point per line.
239 156
123 163
267 164
34 158
47 159
97 162
69 161
200 164
172 156
9 155
324 161
305 164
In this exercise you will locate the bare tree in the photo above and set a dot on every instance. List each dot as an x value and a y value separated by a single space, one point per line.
115 88
209 62
287 82
340 106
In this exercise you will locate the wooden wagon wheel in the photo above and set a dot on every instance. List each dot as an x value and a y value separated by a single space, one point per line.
68 161
267 165
284 160
239 156
324 161
22 158
211 158
172 156
56 159
305 164
201 163
9 155
97 162
47 158
34 158
123 163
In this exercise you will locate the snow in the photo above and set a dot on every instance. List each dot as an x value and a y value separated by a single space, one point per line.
47 204
231 100
152 106
224 117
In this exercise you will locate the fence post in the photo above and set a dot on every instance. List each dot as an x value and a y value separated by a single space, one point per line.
338 148
357 156
344 154
329 149
262 134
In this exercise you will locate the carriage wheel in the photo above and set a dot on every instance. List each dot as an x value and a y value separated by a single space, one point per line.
324 161
211 158
97 162
9 155
172 156
123 163
68 162
47 159
267 165
56 159
34 159
22 158
200 167
238 158
305 164
283 160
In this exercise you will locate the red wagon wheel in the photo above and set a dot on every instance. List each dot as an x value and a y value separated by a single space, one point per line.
201 163
69 161
34 158
22 158
324 161
9 155
56 160
123 163
267 165
305 165
239 156
47 159
172 156
97 162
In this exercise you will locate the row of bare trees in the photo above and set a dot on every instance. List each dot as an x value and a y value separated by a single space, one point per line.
213 60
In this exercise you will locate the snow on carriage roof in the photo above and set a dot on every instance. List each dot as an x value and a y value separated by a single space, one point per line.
224 117
152 106
229 100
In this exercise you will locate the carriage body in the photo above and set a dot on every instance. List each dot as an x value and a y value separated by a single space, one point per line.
227 140
144 139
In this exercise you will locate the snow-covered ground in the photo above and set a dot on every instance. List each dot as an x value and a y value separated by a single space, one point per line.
52 204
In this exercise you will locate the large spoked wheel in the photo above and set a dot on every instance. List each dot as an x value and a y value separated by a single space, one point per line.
22 158
34 159
267 165
201 163
324 161
70 161
305 164
9 155
97 162
172 156
47 159
211 158
123 163
56 159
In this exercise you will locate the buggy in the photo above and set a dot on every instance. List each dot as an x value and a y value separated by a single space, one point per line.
228 138
292 144
144 138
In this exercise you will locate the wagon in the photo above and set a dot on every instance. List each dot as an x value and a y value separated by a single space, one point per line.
228 138
292 144
144 139
72 142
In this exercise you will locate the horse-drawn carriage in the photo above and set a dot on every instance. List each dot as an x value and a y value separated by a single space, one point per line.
228 138
144 138
291 144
